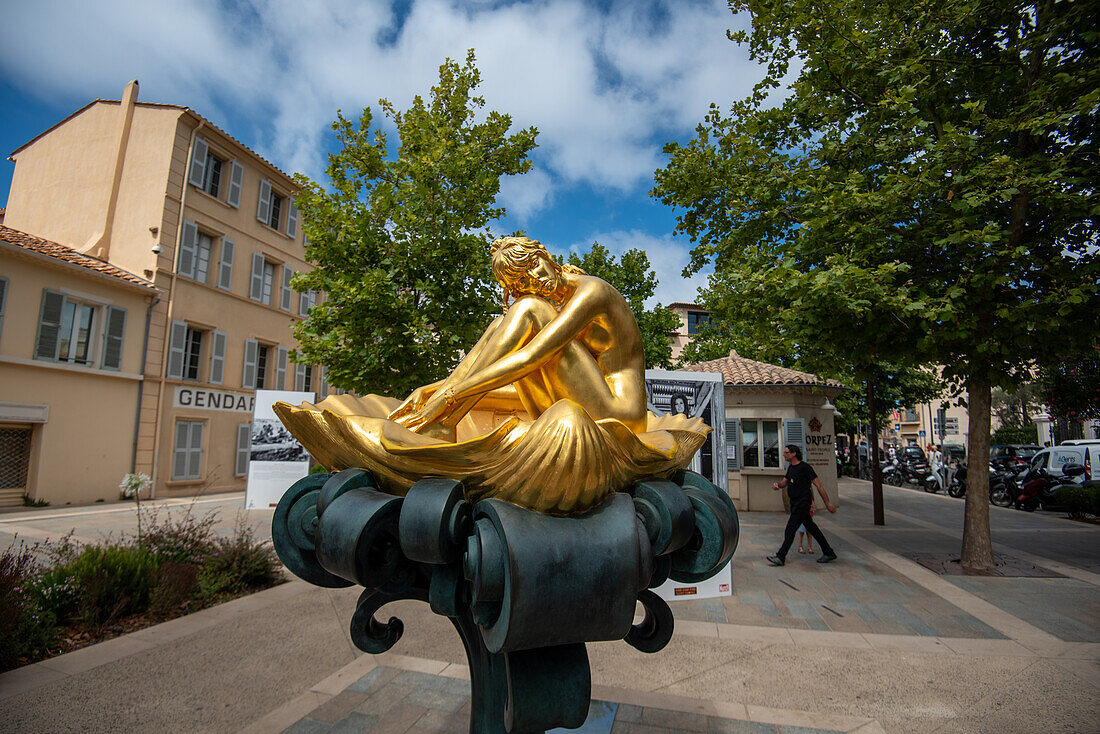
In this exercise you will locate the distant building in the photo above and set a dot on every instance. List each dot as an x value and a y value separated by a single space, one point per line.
693 318
160 192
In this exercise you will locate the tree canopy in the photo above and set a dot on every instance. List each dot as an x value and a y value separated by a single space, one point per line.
925 193
401 241
633 277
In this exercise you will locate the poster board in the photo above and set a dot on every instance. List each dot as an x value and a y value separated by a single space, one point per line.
702 395
276 459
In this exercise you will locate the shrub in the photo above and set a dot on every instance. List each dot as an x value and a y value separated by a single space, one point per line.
113 580
1080 501
238 564
175 586
24 627
1011 434
188 539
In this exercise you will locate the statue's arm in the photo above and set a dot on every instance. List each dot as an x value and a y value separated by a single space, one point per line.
575 316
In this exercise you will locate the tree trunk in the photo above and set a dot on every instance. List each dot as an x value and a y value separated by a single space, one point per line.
977 548
876 468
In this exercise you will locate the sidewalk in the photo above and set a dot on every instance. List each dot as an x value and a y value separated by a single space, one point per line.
873 642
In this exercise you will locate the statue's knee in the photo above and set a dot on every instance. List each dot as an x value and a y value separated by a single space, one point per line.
534 308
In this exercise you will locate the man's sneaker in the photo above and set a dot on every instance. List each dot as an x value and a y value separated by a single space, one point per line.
778 561
827 558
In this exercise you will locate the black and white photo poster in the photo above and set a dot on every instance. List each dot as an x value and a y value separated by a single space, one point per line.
695 395
276 459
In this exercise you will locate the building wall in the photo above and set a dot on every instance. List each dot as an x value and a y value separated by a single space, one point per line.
67 203
751 489
81 418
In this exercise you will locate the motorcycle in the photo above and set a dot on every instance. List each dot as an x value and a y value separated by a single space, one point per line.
957 486
1004 487
1040 487
891 474
914 471
932 482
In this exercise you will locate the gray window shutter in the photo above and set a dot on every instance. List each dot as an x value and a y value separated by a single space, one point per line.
304 303
179 450
795 431
186 261
285 295
198 161
236 178
280 368
194 458
225 272
112 340
49 325
217 358
177 343
248 378
292 221
244 447
3 297
263 207
256 290
733 444
300 377
322 389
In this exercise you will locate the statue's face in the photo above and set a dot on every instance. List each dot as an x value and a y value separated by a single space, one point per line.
539 280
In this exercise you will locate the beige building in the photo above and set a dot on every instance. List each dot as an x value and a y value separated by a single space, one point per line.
692 318
72 335
768 407
161 192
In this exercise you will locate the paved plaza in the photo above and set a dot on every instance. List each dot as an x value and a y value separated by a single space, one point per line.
874 642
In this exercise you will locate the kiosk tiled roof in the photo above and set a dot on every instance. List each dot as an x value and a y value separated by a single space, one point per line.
743 372
68 255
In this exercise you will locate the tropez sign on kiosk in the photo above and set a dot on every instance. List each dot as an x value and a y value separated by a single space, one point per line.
276 459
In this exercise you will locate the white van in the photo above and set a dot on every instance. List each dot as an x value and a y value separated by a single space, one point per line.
1085 452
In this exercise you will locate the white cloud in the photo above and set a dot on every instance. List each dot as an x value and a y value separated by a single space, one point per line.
667 256
604 86
523 196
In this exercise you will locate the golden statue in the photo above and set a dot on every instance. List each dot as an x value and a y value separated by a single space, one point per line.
547 411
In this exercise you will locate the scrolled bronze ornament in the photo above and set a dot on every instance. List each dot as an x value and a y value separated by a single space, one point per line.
528 496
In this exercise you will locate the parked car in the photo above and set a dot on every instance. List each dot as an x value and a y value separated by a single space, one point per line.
912 453
954 453
1012 456
1055 457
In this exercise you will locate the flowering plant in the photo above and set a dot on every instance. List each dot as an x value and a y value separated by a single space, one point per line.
134 484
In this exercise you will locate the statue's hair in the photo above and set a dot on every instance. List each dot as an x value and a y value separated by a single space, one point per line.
514 257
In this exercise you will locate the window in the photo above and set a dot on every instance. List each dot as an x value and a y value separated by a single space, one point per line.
207 173
185 353
303 377
213 178
696 321
306 301
263 279
911 416
261 366
194 253
269 208
244 447
192 352
70 329
760 444
187 452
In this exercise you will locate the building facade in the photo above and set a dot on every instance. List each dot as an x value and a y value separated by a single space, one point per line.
72 336
693 318
768 407
161 192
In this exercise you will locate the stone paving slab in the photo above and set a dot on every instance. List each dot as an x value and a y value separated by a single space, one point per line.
393 701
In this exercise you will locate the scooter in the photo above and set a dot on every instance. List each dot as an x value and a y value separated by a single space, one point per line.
1004 487
932 482
957 486
891 474
1040 488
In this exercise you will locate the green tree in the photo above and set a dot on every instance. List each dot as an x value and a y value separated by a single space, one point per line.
1072 387
635 280
401 242
925 194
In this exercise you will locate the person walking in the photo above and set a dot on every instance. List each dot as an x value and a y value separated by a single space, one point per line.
800 480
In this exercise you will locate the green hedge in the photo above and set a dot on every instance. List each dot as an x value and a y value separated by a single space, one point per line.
1080 501
1008 434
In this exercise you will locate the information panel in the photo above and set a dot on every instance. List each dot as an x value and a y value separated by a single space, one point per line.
276 459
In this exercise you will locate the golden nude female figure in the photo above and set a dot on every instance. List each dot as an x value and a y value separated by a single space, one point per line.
566 336
546 411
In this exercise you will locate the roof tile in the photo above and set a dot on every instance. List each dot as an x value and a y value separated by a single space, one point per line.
737 370
67 254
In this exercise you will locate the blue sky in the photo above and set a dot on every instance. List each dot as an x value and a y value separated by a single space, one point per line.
606 82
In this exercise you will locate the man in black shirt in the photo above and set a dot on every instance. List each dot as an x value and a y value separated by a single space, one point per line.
800 479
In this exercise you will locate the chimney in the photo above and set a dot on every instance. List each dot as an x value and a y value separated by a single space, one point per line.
99 245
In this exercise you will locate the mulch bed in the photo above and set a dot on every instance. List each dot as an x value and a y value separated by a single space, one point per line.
947 564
